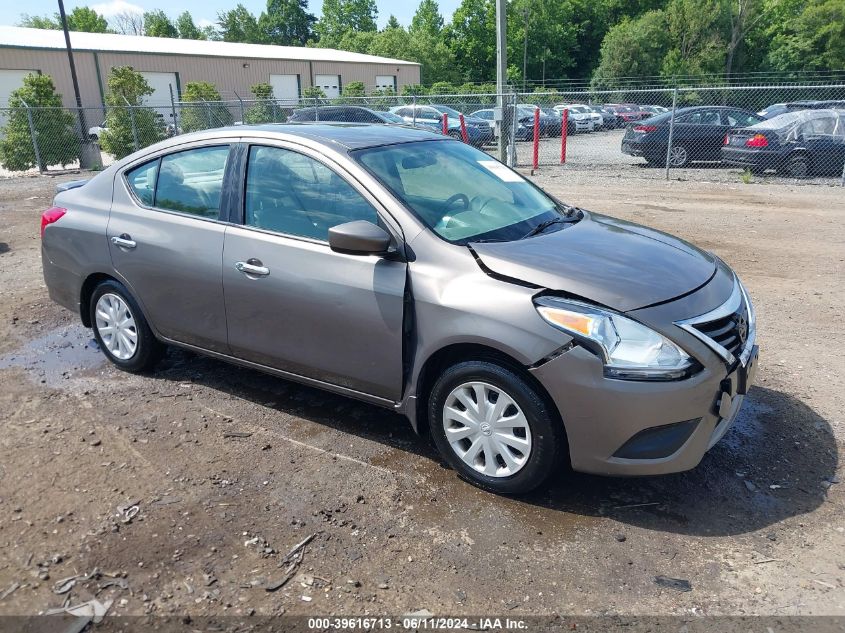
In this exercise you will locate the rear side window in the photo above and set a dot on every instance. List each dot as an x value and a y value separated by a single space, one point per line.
192 181
142 181
741 119
288 192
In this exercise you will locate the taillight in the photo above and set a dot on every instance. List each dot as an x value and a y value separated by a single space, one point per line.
758 140
645 128
53 214
727 140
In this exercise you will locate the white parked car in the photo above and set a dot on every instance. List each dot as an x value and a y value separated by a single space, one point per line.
585 119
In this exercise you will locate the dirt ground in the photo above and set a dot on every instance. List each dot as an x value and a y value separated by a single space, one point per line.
230 469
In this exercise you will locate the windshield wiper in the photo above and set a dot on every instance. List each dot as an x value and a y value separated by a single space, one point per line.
544 225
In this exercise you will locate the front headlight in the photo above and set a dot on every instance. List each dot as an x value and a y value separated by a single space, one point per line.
630 350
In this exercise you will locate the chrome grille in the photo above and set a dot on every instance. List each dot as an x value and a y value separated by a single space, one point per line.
729 329
730 332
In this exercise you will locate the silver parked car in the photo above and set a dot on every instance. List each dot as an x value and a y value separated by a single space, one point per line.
414 272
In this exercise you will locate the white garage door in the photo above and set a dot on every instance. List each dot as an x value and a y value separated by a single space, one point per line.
285 86
11 80
160 83
330 84
383 82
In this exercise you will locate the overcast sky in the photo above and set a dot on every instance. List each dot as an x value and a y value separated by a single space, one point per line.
204 11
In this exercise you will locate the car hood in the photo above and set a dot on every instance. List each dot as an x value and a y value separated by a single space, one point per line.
618 264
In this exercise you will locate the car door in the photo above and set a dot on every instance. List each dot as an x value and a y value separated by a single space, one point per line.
166 242
824 139
293 303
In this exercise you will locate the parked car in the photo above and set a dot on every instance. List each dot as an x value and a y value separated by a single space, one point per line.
341 113
431 117
796 144
583 119
628 113
653 109
699 133
776 109
596 119
610 119
416 273
549 123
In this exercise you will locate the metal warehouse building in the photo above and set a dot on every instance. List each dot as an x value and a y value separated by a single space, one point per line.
171 63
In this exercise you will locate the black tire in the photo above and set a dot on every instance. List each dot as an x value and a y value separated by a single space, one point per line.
680 158
148 350
797 167
547 434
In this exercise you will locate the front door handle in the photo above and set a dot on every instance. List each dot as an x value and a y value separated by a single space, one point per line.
124 241
252 267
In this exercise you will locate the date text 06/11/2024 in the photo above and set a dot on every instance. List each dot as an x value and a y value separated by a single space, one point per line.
416 623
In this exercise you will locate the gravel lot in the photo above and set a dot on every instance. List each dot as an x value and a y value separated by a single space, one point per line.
230 469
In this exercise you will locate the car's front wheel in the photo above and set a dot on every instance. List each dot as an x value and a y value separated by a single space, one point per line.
493 427
121 330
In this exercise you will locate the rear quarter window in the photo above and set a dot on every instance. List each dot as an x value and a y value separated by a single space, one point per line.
142 181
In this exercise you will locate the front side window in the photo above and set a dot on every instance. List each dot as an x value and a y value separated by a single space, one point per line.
192 181
142 181
288 192
459 192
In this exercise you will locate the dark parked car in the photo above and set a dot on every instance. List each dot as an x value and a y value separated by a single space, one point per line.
339 114
699 133
796 144
776 109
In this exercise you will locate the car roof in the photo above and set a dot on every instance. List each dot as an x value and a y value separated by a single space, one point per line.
343 136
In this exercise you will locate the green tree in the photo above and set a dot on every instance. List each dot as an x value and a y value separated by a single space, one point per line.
86 20
392 23
239 25
187 29
80 19
39 22
427 19
209 110
157 24
633 48
472 38
126 91
343 16
443 88
286 22
312 92
352 93
393 42
264 109
695 29
58 142
810 35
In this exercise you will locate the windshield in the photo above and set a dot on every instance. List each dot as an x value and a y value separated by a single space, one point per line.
390 117
459 192
447 110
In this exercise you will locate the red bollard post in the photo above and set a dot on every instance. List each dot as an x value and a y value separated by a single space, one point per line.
445 124
536 138
464 136
564 121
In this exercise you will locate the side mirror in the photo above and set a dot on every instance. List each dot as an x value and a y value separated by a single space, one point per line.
359 238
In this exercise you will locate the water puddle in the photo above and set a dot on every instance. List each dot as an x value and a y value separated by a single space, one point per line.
62 354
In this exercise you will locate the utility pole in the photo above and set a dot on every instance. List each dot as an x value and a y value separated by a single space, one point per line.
501 76
526 13
84 159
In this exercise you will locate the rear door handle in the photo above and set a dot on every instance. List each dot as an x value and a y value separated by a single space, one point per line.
124 241
252 267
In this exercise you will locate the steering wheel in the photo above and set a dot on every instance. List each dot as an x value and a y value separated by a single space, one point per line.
458 196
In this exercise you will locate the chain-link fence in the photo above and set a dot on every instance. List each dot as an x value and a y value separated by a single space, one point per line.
730 133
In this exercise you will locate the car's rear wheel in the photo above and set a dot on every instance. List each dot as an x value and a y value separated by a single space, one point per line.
797 167
678 156
493 427
121 330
